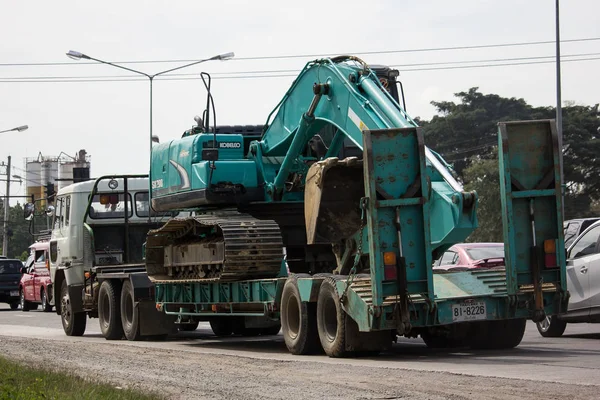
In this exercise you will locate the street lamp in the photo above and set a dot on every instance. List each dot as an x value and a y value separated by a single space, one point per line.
18 129
75 55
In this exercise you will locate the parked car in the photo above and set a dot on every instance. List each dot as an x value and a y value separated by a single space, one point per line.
574 227
465 256
583 283
36 286
10 273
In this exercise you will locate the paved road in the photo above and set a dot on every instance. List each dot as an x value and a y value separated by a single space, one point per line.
573 358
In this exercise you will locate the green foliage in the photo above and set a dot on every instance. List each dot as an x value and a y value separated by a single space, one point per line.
19 237
465 134
483 176
20 382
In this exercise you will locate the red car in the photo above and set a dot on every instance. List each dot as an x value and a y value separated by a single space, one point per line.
36 286
465 256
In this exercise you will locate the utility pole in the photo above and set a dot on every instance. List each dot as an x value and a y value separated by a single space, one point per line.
559 116
6 211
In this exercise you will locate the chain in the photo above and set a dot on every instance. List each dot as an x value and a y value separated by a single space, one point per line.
357 256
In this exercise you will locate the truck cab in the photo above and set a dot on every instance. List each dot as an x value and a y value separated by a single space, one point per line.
99 228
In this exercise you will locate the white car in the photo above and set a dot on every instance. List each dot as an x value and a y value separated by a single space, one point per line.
583 284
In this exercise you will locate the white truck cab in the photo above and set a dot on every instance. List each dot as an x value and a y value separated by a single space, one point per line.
98 231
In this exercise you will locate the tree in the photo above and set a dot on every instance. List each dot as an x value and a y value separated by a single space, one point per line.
466 134
18 231
470 127
483 176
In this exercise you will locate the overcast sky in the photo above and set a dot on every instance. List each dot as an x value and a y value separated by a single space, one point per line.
110 119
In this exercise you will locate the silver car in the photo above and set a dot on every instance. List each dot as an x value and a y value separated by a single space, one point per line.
583 283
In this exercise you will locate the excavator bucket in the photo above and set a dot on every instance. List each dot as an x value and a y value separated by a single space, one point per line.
332 196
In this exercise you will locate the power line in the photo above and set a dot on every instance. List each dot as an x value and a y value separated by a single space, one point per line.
134 79
291 56
287 71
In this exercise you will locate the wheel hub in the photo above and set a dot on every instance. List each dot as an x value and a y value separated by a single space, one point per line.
545 324
65 310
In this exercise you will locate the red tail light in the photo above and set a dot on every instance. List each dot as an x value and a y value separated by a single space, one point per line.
550 253
390 271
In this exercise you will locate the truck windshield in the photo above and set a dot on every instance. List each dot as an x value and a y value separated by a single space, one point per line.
10 266
110 205
142 208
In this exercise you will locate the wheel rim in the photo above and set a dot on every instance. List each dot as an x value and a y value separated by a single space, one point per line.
103 311
65 310
22 300
330 323
43 296
545 324
129 311
292 317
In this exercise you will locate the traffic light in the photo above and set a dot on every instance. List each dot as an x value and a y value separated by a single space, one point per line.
50 192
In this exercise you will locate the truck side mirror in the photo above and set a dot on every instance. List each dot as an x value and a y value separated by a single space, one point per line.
50 211
28 211
23 269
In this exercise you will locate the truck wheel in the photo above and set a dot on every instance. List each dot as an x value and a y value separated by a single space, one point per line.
437 341
551 327
270 331
189 327
298 320
130 315
46 307
221 326
73 323
109 310
331 320
24 303
501 334
14 306
443 340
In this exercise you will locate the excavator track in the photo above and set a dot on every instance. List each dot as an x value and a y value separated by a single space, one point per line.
223 246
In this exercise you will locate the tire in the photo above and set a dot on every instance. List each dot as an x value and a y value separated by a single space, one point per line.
73 323
501 334
270 331
14 306
298 320
448 340
331 320
109 310
551 327
437 341
46 307
222 326
130 315
25 305
189 327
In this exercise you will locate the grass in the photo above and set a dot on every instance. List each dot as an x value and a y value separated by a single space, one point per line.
21 382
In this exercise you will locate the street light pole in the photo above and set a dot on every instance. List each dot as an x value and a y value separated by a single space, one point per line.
6 212
75 55
6 199
559 123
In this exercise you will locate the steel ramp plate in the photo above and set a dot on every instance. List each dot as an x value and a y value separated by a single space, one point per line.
468 284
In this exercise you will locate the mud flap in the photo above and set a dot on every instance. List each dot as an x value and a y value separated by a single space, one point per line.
366 341
332 196
154 322
76 298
